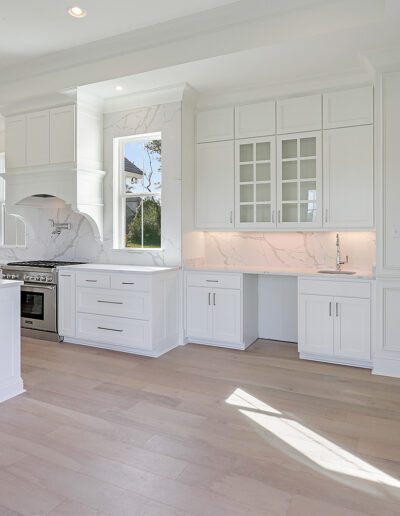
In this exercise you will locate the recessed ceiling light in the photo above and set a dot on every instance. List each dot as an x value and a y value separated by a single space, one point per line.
118 88
77 12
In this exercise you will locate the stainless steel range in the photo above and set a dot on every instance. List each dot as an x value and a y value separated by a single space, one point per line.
38 296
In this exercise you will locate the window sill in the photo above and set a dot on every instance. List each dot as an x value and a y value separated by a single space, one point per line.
139 249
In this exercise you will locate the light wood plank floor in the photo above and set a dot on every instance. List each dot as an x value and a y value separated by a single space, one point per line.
200 431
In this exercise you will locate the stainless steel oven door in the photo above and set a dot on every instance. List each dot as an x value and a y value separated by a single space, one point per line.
39 307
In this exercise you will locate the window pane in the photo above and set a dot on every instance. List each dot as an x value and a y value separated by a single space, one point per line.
263 152
246 173
308 212
246 193
308 147
263 192
308 169
289 212
152 222
246 152
308 191
247 213
289 191
289 170
142 166
133 224
263 171
289 149
263 213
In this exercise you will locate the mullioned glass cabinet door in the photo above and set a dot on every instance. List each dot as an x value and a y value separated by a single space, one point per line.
255 190
299 180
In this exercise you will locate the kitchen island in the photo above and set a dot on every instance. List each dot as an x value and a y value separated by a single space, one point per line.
10 340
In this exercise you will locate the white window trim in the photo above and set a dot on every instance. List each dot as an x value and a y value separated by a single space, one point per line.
119 195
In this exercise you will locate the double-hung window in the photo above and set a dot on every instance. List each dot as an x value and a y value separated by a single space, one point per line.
138 181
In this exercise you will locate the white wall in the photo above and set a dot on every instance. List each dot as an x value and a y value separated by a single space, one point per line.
80 243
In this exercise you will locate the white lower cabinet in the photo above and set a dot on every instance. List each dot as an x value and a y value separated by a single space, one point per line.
138 314
219 311
335 324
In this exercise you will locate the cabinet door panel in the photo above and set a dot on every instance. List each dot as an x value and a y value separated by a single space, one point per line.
352 327
37 138
226 315
254 120
66 304
62 135
15 141
198 312
299 114
316 324
215 125
215 175
348 177
348 107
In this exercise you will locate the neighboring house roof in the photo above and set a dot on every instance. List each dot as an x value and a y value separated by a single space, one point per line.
132 169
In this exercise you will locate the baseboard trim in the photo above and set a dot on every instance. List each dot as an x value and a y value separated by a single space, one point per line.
386 367
366 364
112 347
11 389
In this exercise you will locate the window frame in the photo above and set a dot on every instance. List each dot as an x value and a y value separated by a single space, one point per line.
120 195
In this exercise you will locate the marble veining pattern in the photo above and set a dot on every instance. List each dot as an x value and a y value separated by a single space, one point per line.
304 250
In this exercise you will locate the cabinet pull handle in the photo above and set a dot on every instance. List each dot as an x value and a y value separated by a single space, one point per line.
273 217
337 309
209 299
91 280
279 216
326 215
110 302
231 217
214 298
108 329
330 308
65 275
127 283
212 280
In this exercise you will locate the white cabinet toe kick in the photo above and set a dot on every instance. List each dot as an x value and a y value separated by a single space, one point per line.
134 313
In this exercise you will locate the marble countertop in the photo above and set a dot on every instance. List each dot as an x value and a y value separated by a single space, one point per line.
10 283
246 269
107 267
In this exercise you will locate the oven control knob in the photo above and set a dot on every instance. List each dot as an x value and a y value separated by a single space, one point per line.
49 279
43 278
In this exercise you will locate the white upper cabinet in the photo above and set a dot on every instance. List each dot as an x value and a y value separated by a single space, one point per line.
299 180
215 125
348 177
37 138
255 183
349 107
299 114
15 141
62 134
215 185
254 120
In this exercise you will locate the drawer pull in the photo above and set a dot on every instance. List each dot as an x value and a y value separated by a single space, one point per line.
111 302
214 296
330 308
212 281
109 329
65 275
127 283
91 280
337 309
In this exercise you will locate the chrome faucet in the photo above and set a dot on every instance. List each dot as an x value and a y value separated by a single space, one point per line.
339 262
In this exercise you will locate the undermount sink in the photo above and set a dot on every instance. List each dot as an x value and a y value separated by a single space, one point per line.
337 272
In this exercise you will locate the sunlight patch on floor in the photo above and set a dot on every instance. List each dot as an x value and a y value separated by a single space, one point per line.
316 448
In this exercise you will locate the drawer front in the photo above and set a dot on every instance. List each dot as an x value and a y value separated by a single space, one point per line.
134 305
360 289
115 331
92 279
130 282
213 280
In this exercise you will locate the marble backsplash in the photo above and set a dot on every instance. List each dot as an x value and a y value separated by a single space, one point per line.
313 250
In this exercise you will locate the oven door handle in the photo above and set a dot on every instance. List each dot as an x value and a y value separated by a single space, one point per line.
35 287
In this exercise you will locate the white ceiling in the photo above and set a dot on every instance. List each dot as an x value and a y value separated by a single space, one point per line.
291 59
33 28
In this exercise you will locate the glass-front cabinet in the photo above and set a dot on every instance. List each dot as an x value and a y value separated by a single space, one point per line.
255 190
299 179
